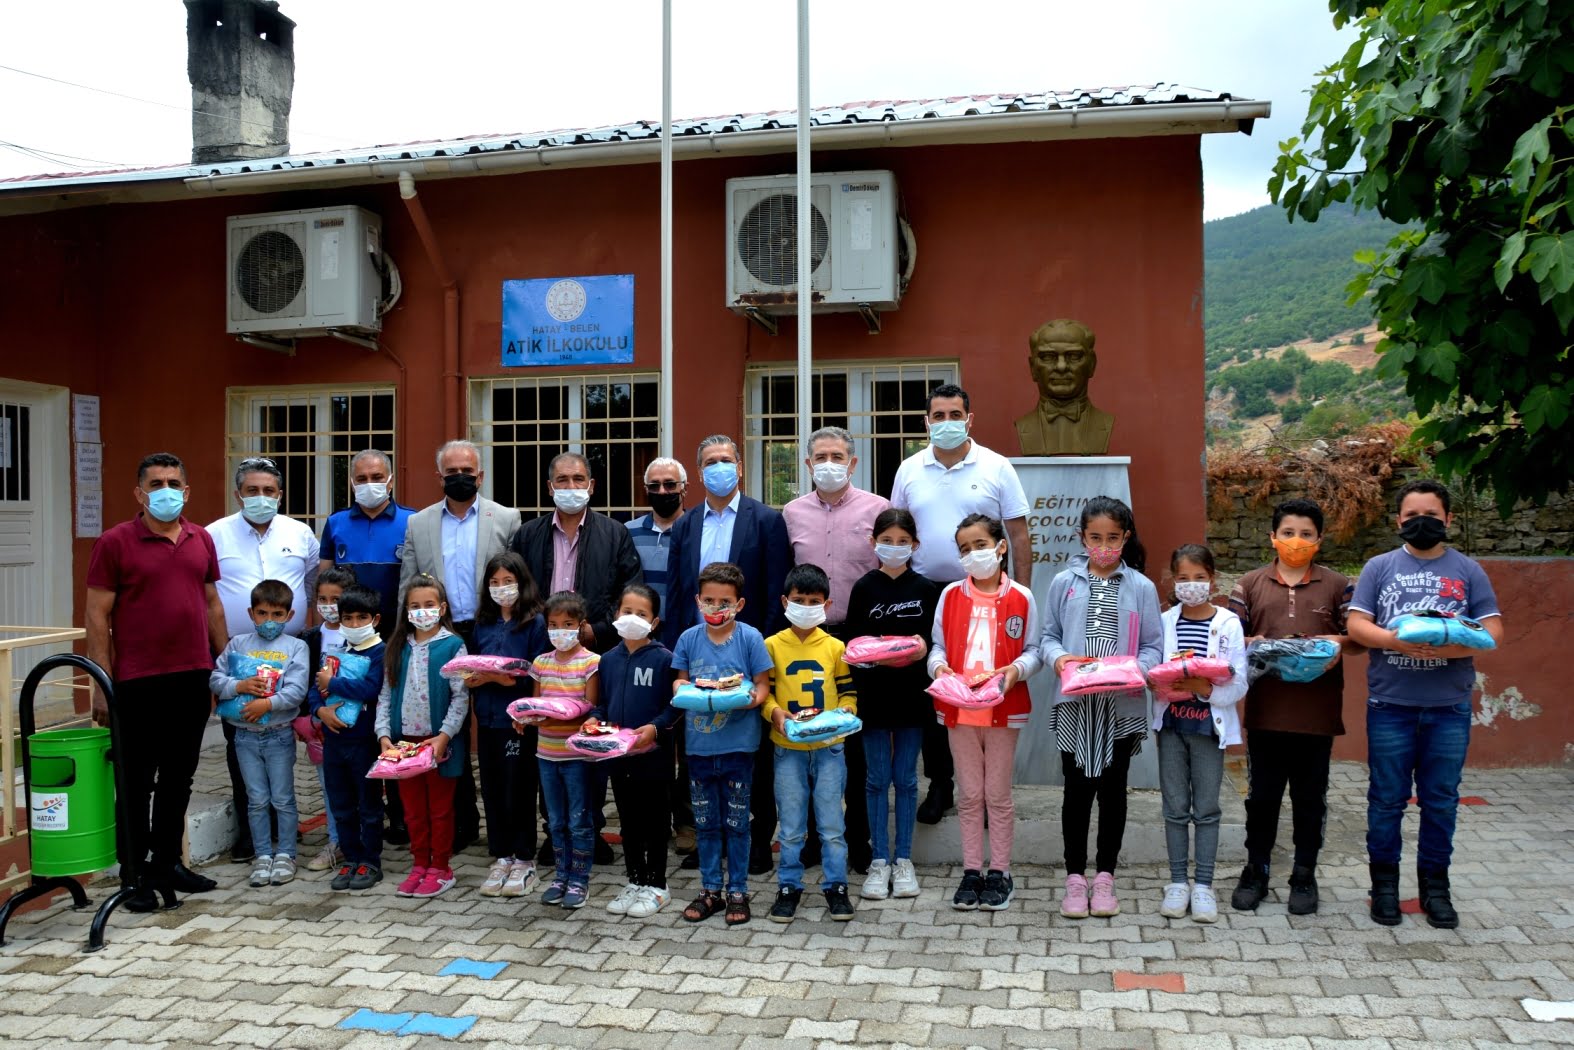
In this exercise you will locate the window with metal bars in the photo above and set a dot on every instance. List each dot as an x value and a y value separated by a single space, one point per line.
312 434
521 423
881 404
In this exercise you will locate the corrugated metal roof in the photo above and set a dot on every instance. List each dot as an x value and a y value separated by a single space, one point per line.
848 113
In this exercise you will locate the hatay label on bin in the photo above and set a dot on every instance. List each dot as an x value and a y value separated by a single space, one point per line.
50 812
569 321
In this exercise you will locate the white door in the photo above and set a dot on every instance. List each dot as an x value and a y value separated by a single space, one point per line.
35 527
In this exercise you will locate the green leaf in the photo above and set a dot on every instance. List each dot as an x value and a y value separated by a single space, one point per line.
1544 406
1551 263
1513 248
1530 149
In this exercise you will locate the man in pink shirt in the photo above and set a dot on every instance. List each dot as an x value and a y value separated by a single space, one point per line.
830 526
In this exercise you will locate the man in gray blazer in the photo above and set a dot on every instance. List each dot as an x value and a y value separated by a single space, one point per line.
453 539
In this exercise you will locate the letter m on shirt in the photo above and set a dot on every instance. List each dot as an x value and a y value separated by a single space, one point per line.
645 676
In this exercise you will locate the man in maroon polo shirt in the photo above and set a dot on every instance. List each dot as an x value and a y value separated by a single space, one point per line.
154 620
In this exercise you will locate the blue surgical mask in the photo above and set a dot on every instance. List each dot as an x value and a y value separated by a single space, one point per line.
720 478
892 554
948 434
166 504
268 630
259 510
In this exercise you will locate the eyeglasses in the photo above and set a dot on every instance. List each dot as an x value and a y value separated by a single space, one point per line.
663 486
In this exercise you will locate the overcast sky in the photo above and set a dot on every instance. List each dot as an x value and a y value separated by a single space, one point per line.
401 70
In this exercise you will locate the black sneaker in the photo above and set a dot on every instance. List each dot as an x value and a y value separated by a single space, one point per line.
366 876
1303 891
545 857
859 857
786 905
603 852
397 835
837 904
243 854
341 878
185 880
1252 888
997 892
691 862
142 899
967 894
760 860
935 806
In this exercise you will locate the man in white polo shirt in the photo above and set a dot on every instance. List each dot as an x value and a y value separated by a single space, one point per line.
254 544
952 477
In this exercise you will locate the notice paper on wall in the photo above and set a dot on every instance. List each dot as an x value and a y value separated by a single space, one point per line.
88 463
84 417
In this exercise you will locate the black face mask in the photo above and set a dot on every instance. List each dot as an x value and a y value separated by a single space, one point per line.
459 487
1423 533
665 504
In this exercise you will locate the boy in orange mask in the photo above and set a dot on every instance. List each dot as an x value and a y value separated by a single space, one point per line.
1290 726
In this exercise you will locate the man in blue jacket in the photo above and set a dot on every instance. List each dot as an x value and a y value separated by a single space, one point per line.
732 527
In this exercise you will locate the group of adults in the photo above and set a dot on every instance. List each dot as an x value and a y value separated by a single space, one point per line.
165 594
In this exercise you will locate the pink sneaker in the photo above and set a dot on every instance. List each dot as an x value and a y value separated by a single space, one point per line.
407 888
1104 902
436 881
1075 904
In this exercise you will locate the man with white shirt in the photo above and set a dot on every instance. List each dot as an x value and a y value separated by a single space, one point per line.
254 544
952 477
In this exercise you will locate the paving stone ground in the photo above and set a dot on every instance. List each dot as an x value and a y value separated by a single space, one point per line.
285 967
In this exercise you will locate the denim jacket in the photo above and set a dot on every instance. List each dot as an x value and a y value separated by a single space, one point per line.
1065 617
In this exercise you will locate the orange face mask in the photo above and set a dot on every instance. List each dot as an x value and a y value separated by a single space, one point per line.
1296 553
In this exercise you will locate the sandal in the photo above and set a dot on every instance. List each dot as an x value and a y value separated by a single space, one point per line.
703 907
737 909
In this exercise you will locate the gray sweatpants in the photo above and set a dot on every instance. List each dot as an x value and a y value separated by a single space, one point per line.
1191 767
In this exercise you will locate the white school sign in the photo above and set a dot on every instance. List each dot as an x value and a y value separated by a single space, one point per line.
1057 488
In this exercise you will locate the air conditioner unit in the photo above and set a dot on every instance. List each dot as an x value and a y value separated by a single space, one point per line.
857 251
302 273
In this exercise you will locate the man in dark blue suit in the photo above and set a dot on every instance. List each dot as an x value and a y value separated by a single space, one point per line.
732 527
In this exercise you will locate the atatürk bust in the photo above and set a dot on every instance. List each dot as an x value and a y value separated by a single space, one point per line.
1061 359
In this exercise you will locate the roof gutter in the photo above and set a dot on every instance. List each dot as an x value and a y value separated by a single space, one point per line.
1146 119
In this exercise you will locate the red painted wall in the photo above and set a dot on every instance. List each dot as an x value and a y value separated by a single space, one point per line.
127 301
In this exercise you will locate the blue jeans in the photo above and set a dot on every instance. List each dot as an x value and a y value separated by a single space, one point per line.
719 792
1191 768
566 786
356 803
333 827
1426 746
892 759
822 771
267 767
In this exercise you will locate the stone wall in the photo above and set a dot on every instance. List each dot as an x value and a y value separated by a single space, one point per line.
1239 535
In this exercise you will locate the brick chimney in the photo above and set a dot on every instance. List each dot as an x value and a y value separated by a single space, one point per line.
240 59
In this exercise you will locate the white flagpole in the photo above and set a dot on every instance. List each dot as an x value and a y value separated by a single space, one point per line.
665 429
805 229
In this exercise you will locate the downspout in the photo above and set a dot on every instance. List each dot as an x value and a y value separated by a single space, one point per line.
445 278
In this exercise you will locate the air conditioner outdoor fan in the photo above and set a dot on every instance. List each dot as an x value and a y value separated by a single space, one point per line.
270 271
768 239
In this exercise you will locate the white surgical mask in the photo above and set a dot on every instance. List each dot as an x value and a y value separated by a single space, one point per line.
329 613
571 501
358 635
948 434
372 494
981 565
424 619
507 594
892 555
828 477
564 639
631 627
1193 592
259 510
804 617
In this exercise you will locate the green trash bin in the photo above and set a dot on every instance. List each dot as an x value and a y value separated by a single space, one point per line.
71 811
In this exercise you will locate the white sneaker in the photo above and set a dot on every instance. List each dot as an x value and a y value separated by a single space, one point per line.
904 880
496 875
283 870
1204 908
261 870
648 902
877 884
521 879
1175 900
329 857
619 905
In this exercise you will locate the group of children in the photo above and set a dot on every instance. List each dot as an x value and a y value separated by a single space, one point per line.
1101 605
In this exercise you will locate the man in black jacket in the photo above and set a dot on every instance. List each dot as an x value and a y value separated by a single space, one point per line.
576 549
